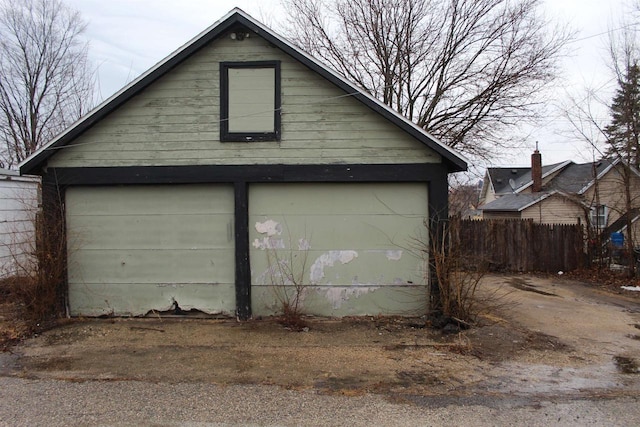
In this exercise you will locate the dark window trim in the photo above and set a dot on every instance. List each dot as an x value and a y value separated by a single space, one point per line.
225 135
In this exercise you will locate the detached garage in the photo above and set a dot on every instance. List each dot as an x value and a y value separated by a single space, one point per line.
233 156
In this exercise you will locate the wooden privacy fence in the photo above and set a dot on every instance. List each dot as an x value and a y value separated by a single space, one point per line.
518 245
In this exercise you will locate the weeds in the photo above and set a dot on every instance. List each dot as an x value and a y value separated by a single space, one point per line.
455 298
36 270
287 271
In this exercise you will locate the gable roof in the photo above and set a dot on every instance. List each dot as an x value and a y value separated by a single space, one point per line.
572 178
515 202
521 176
453 160
577 178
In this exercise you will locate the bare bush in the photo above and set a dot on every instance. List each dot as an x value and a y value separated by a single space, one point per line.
287 271
38 269
455 298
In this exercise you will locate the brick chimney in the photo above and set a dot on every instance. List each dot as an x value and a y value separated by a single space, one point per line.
536 170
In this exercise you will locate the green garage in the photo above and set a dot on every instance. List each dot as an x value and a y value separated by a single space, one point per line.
197 183
137 249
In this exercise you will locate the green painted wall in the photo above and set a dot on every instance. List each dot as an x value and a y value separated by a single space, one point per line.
355 247
136 249
175 121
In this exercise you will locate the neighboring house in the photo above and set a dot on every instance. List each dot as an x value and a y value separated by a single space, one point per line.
564 193
236 155
18 206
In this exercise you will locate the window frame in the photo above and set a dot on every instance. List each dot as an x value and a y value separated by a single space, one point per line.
595 213
225 134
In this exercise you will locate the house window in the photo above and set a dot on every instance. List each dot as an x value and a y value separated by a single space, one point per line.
598 216
250 101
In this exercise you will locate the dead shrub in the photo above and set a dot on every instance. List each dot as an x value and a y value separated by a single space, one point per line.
454 297
287 270
36 272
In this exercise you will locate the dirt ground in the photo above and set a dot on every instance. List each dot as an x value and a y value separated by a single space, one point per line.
548 337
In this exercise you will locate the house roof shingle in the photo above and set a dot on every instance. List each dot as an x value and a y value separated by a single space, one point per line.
577 177
515 202
521 176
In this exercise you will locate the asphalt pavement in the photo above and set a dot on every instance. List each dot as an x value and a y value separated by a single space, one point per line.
29 402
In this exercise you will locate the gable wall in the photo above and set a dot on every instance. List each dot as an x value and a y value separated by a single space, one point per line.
610 192
488 194
500 215
175 121
554 210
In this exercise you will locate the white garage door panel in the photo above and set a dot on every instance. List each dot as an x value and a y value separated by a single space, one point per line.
359 243
139 248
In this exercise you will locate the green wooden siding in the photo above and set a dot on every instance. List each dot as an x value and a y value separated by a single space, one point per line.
358 243
175 121
139 248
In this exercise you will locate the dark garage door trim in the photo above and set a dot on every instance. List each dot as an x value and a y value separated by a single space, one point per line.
55 180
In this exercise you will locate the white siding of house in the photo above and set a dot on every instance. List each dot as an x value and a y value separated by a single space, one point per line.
18 207
555 209
609 191
500 215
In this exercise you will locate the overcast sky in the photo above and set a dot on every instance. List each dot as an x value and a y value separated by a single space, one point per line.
129 36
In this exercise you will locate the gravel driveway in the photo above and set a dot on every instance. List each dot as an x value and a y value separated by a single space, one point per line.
553 354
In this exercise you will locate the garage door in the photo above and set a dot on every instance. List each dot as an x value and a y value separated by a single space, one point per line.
136 249
354 247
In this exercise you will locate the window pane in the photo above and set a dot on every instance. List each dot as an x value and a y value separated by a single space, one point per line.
251 100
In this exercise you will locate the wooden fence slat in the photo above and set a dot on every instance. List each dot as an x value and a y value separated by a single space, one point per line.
519 245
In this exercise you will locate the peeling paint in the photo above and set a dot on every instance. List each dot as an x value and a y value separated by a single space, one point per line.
394 255
269 227
303 245
268 243
274 272
328 259
336 296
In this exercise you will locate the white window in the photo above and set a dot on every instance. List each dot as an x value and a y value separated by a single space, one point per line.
598 216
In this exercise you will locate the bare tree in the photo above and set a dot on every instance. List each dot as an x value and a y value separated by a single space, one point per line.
45 80
463 196
464 70
616 137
